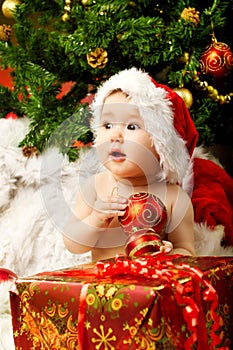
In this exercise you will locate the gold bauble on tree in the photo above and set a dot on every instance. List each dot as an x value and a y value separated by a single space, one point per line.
211 91
184 59
185 94
67 10
8 7
65 17
85 2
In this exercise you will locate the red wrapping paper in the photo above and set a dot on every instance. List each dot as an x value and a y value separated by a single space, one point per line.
153 302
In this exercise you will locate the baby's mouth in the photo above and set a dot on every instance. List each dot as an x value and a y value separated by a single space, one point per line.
117 155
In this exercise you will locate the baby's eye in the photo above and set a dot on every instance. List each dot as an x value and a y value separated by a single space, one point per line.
107 125
133 126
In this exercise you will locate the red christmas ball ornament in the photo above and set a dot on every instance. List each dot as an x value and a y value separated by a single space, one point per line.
144 210
142 242
217 59
144 222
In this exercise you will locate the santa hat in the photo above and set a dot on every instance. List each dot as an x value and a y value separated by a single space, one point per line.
165 115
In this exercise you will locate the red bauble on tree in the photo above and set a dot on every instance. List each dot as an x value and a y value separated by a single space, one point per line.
217 59
144 223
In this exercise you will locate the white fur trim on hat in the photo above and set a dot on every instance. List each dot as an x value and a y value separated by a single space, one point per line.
156 110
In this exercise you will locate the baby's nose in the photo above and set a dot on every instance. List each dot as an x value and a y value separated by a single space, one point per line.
117 134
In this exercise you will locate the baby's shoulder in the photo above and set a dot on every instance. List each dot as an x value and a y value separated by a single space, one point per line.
170 193
177 195
164 188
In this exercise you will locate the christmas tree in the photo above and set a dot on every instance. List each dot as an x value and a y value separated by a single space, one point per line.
83 42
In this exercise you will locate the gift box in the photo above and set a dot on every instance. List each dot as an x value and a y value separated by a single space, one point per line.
154 302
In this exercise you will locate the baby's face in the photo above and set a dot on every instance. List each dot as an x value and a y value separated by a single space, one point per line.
124 146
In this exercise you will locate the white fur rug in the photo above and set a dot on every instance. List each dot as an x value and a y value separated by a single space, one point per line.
33 208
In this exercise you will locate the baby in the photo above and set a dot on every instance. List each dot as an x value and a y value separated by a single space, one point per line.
141 151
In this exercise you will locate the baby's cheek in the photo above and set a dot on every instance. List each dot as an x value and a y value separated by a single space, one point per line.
102 151
154 151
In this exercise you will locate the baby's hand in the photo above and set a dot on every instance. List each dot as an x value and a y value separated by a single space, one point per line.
106 210
166 247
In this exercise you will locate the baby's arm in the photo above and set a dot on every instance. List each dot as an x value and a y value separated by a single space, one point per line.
181 226
92 218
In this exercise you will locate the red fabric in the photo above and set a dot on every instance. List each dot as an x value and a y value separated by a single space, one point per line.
183 122
212 196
